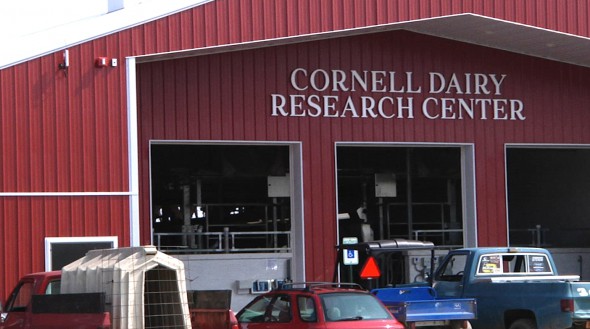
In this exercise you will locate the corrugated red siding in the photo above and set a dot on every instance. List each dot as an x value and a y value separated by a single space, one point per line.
69 134
227 97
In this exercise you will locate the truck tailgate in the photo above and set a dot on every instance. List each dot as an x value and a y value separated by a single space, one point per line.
581 295
434 310
65 311
213 319
71 321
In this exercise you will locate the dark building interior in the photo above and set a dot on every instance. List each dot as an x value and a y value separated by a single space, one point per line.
384 192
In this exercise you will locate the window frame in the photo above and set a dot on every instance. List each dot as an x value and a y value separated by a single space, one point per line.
73 241
313 318
455 276
331 300
501 270
17 295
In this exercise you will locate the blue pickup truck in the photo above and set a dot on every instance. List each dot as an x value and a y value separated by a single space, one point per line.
515 288
512 288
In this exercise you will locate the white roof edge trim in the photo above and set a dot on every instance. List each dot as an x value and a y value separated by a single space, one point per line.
279 41
61 37
429 26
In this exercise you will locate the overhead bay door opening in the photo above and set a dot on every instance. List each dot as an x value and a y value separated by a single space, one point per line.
221 198
548 192
387 192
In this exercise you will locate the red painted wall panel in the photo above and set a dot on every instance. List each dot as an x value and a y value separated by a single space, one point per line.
217 81
69 133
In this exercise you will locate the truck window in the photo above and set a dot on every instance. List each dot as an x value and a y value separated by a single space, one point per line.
21 298
539 264
53 287
490 264
453 268
513 264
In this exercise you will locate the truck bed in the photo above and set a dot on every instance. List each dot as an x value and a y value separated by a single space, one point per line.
420 304
434 310
63 311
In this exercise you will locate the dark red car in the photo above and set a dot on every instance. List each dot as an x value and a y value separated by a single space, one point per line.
317 306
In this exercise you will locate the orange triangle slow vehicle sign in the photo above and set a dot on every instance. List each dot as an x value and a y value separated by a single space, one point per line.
370 269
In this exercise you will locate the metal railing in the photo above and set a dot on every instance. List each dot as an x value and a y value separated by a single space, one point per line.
536 236
223 242
442 234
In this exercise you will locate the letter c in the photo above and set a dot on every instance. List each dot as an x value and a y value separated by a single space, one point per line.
294 78
425 108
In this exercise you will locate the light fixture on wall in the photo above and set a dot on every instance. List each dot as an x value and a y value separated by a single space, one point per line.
65 64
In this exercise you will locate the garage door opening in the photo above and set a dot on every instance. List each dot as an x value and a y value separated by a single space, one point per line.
548 193
387 192
221 198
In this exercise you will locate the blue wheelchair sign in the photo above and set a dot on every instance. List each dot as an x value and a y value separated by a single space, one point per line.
351 257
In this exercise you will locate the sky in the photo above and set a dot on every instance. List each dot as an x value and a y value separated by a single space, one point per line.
30 28
23 17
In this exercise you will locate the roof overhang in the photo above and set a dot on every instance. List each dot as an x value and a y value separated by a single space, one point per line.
469 28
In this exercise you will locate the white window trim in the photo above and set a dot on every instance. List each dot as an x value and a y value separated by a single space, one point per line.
54 240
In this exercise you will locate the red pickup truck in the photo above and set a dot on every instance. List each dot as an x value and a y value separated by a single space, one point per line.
32 304
36 302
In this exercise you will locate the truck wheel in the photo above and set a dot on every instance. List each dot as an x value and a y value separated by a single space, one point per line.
523 324
459 325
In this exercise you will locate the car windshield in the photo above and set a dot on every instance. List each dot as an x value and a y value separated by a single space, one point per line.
275 308
352 306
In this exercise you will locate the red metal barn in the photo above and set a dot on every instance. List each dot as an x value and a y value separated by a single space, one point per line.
433 118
